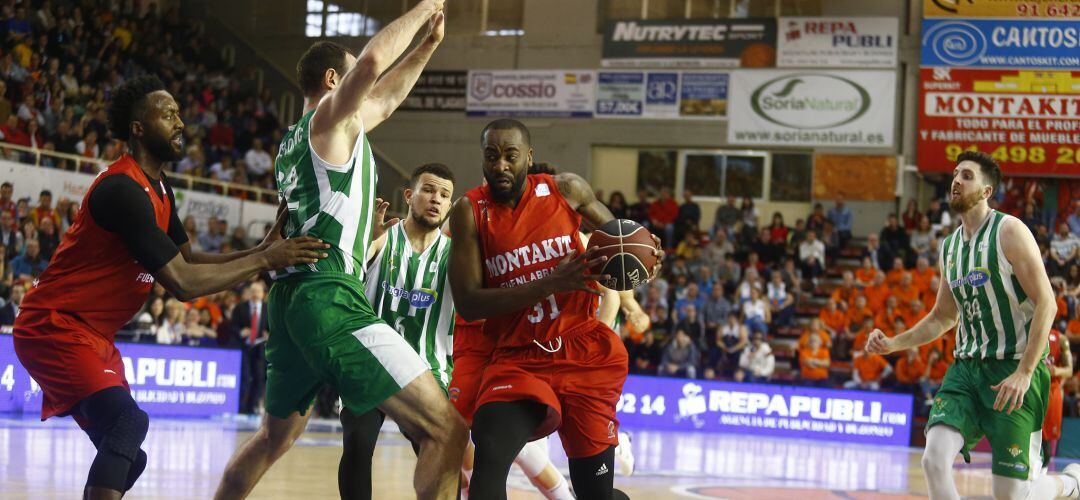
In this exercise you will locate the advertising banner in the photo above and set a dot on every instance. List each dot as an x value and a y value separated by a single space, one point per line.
532 93
1029 121
812 108
438 91
838 42
661 94
1000 43
690 43
1001 8
878 418
164 379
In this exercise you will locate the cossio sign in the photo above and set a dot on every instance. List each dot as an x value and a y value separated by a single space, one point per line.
531 93
812 108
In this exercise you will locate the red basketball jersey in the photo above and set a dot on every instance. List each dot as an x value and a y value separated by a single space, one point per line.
92 275
1055 354
523 244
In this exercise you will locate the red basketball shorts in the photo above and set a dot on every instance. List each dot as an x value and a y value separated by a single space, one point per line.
580 382
469 365
65 358
1051 430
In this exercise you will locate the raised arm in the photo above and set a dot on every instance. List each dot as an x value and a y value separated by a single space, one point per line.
395 85
345 103
473 301
581 197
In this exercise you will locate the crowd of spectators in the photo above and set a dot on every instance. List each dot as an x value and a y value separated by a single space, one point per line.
60 60
752 298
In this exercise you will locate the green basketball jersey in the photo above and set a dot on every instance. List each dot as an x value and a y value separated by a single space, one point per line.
995 313
334 203
411 292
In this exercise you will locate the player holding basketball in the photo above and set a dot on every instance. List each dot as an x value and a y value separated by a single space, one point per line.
125 235
517 262
994 283
324 328
1060 363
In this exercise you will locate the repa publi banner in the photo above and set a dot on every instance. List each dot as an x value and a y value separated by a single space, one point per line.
532 93
878 418
1001 43
690 43
164 380
812 108
838 42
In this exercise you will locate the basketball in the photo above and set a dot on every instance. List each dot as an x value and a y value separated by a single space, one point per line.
629 248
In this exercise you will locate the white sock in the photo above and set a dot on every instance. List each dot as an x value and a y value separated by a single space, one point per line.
942 445
1069 486
533 458
560 492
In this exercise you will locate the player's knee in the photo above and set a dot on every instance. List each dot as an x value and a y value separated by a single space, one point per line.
128 432
935 465
275 443
137 467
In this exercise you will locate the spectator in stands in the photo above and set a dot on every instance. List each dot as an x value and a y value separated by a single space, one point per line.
717 251
911 216
715 309
831 238
692 296
1030 216
10 236
864 275
197 331
922 238
792 276
44 209
778 232
843 219
769 250
171 327
223 170
10 309
757 362
814 363
895 238
936 367
251 319
731 338
730 273
617 205
868 371
30 264
877 293
939 217
781 302
88 146
816 221
910 370
815 329
906 291
796 236
654 301
833 319
680 357
1063 250
812 256
7 202
639 211
750 280
662 215
645 357
757 314
214 236
257 159
48 238
726 216
880 256
845 294
1073 220
689 216
749 212
692 324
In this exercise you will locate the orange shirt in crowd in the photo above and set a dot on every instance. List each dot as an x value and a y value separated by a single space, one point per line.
804 339
870 367
892 278
929 299
836 320
937 372
1073 328
864 275
921 280
876 297
808 372
861 336
1063 309
910 371
208 304
886 319
855 317
36 214
912 317
845 295
905 294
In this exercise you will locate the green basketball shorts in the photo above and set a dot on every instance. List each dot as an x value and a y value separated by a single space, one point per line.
966 403
323 331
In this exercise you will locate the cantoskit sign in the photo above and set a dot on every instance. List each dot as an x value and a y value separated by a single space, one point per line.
164 380
812 108
767 410
1001 43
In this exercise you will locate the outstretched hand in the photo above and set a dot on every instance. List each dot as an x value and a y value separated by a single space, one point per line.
381 224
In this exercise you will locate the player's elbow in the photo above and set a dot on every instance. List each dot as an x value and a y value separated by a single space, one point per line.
468 312
369 66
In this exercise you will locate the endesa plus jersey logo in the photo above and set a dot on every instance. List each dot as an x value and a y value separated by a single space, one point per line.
421 298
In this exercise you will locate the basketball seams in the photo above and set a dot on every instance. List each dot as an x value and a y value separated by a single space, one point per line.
622 260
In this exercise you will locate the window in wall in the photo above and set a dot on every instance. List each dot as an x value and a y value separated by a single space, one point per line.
717 175
472 17
329 19
791 177
656 170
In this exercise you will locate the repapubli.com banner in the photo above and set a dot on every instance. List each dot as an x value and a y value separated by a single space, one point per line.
878 418
164 380
842 108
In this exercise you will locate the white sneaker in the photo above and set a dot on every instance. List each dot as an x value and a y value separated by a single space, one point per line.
1073 471
624 456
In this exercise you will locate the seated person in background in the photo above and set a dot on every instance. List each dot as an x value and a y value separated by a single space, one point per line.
862 334
914 313
864 276
756 312
680 357
922 274
858 313
930 297
877 293
645 356
906 290
815 330
757 361
833 320
781 301
731 338
814 362
892 278
868 371
887 316
936 366
910 370
845 294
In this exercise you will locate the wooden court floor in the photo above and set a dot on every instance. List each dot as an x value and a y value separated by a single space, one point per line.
186 457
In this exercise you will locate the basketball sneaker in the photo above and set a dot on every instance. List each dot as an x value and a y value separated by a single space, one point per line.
1071 470
624 456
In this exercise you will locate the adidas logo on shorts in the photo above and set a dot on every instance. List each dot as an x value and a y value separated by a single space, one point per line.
602 470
